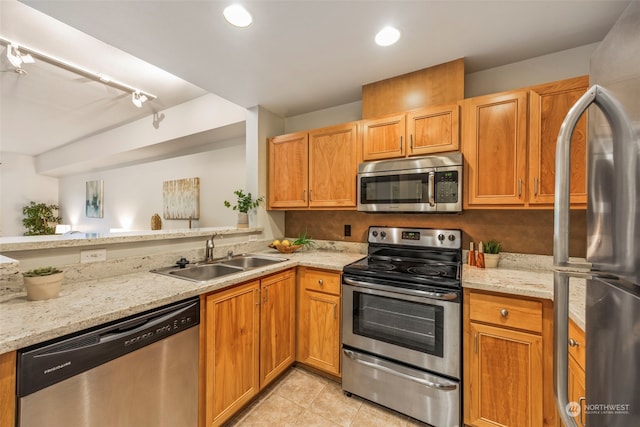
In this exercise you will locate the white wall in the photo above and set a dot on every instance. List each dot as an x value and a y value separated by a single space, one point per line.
20 184
133 194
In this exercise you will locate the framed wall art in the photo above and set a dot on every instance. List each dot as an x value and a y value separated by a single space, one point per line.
181 198
94 207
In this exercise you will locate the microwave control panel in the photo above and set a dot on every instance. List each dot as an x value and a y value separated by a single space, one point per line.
447 187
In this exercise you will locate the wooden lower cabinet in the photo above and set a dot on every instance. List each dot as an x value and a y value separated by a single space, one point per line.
508 361
318 335
249 340
8 389
576 372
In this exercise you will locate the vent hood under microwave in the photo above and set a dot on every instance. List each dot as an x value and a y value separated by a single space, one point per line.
428 184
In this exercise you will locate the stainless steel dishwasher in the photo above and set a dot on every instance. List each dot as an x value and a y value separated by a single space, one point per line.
136 372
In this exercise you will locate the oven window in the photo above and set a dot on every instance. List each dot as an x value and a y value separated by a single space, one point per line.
407 324
409 188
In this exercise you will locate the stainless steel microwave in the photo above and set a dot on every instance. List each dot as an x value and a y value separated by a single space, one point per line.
419 184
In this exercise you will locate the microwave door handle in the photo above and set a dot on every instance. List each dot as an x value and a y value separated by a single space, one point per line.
432 189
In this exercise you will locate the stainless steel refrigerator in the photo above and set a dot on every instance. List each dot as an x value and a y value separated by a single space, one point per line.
612 270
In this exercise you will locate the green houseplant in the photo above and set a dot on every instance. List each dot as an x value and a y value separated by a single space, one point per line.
43 283
244 203
40 218
491 253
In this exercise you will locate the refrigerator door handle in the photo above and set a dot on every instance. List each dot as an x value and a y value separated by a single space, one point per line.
560 347
624 134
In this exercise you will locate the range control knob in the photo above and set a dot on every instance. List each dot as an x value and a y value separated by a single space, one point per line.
441 237
383 234
452 237
375 233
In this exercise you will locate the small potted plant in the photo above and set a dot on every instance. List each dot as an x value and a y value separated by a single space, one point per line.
491 253
244 203
40 219
43 283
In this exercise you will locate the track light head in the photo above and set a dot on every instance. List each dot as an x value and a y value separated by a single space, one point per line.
138 99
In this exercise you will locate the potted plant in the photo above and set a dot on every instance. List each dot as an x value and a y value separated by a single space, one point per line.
244 203
43 283
491 253
40 218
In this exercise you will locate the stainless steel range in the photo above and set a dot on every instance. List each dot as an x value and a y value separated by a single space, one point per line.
401 331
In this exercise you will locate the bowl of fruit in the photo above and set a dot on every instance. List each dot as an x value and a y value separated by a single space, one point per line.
287 247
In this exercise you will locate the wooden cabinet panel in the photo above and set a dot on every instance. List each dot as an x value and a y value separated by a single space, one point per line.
549 104
277 325
318 337
505 311
384 138
505 384
495 149
7 389
333 166
434 130
288 171
232 376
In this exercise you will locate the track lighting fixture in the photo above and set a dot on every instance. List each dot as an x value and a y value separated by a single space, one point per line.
18 55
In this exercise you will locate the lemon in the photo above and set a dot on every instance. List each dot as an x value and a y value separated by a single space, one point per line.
286 243
275 242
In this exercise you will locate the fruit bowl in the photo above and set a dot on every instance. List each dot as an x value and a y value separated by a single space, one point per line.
286 249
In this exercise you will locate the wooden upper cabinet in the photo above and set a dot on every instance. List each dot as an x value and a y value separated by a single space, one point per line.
495 149
314 169
384 138
333 166
288 170
434 129
549 104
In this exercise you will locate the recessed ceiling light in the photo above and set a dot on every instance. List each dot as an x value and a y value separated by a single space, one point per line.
237 15
387 36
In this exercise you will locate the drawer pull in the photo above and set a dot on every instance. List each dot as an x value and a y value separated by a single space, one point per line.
573 343
320 282
504 312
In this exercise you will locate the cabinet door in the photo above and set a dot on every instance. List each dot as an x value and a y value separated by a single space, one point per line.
384 138
434 129
288 171
549 105
232 325
495 149
576 377
319 331
333 166
7 389
505 384
277 325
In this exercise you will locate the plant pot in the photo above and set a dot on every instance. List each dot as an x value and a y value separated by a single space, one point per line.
491 260
43 287
243 220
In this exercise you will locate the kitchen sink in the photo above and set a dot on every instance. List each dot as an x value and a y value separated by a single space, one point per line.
252 261
203 272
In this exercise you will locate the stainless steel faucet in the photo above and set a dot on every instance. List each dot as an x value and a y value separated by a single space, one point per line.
208 249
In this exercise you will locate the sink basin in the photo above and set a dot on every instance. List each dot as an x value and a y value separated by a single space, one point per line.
252 261
206 272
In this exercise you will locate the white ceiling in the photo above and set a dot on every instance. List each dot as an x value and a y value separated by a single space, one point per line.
297 56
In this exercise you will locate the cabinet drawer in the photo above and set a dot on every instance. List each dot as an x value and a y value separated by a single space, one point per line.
322 281
506 311
577 350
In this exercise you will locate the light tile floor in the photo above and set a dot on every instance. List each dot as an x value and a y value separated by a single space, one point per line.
302 398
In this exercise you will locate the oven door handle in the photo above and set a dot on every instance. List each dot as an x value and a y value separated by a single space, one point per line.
439 386
433 295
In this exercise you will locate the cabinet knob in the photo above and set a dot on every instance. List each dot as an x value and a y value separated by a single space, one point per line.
321 282
504 312
573 343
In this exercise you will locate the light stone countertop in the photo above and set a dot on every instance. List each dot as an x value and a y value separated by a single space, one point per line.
89 303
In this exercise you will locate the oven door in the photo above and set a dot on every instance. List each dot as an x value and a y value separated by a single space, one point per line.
419 328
